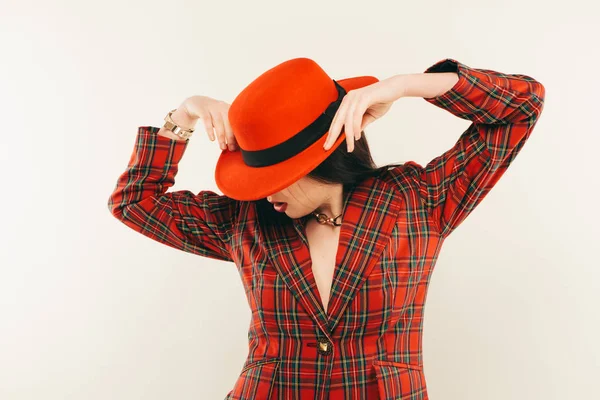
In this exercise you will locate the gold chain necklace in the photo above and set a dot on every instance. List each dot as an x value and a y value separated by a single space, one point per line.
325 219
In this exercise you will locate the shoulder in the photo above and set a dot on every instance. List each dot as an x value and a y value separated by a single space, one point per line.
402 176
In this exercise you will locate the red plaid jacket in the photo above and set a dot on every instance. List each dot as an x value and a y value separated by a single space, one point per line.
369 343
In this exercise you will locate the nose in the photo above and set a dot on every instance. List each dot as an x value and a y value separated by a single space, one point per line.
269 199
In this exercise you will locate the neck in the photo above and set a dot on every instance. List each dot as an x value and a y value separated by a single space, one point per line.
334 202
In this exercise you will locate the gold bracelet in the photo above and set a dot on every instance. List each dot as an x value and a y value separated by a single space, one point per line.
176 129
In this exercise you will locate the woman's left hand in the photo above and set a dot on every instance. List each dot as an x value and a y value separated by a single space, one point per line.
359 108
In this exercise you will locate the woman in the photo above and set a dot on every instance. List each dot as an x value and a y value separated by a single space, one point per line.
335 254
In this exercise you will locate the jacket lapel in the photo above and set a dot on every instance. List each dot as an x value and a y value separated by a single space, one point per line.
291 257
369 217
370 213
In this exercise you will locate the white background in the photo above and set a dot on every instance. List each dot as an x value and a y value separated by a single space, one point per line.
90 309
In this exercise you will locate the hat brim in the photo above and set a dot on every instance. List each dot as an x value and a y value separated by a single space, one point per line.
242 182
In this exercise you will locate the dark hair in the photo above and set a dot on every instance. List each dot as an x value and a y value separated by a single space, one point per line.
347 168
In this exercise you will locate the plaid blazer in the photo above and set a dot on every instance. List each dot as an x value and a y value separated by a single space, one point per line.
369 343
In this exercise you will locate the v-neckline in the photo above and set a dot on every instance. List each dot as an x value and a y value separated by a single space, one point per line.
345 228
369 212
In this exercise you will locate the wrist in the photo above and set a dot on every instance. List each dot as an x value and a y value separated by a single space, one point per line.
428 85
396 87
182 118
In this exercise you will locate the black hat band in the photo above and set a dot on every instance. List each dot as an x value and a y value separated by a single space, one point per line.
297 143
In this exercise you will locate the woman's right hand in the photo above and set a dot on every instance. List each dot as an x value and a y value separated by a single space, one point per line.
214 114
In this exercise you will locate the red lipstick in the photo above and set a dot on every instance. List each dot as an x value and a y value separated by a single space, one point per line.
280 207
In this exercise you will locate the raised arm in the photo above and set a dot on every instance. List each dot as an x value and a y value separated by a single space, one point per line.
504 109
195 223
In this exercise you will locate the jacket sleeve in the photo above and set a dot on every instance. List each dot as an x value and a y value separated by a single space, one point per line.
504 109
195 223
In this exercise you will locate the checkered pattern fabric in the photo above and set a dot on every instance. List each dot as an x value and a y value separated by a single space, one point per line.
392 232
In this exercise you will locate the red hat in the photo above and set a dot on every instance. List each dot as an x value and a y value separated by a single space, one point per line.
280 122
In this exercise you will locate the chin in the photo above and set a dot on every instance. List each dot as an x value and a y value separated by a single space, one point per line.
296 215
291 213
296 212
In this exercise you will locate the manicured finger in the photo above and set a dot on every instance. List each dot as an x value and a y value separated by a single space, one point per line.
356 122
349 123
231 142
331 136
349 129
334 130
208 126
220 130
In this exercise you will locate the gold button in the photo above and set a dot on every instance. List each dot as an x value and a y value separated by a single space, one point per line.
325 347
